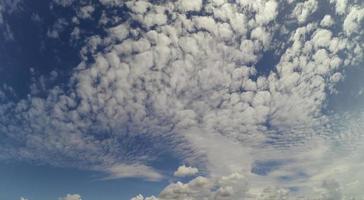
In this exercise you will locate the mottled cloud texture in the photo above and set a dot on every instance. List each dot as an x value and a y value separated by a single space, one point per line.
186 77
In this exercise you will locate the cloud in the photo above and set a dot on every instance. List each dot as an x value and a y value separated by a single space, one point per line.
235 186
7 9
86 12
239 186
305 9
67 197
352 21
127 171
71 197
340 6
167 79
140 197
327 21
64 3
185 5
227 187
57 28
10 6
183 171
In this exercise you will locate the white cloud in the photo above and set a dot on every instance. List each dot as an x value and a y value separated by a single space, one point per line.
238 186
86 12
340 6
140 197
268 11
217 149
120 32
71 197
352 23
191 80
139 7
127 171
183 171
304 9
22 198
262 36
227 187
327 21
187 5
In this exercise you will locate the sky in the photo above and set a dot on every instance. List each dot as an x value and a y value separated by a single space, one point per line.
181 100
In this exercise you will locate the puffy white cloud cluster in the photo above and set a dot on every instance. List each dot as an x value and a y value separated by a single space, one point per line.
186 73
185 5
305 9
140 197
227 187
353 21
236 186
340 6
327 21
183 171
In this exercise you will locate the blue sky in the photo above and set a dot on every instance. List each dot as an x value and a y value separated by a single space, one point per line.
47 182
108 99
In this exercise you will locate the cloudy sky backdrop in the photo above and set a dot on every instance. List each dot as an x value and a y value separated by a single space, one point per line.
181 99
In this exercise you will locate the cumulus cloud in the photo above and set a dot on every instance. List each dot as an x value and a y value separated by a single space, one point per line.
332 181
327 21
185 5
305 9
86 11
227 187
71 197
168 76
352 23
340 6
140 197
183 171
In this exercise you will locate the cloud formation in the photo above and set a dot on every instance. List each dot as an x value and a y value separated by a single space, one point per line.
183 171
135 170
235 186
187 75
71 197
